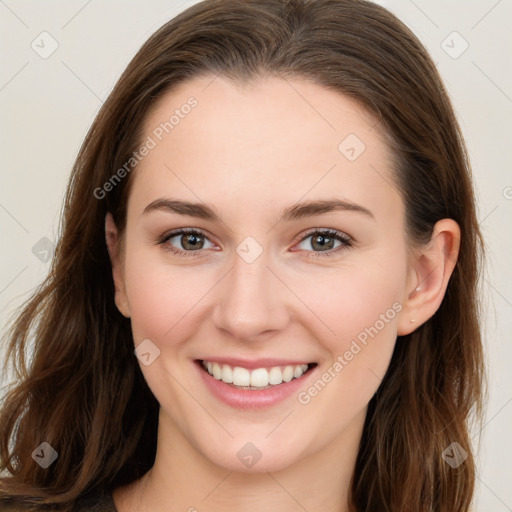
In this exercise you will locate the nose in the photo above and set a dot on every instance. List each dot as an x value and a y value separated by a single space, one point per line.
252 300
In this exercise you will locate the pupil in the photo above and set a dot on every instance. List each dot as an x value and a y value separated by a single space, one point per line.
326 240
192 240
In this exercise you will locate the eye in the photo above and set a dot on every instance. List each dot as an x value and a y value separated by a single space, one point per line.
323 242
185 241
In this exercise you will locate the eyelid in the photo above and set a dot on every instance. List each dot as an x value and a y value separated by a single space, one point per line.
333 232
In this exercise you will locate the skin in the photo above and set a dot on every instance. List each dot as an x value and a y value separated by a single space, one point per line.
251 151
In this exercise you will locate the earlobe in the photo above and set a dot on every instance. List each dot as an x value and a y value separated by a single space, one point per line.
432 268
114 251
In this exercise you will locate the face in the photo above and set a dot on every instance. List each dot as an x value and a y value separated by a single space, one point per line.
294 265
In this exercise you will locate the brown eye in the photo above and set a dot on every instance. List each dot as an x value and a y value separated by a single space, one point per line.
185 241
323 242
192 242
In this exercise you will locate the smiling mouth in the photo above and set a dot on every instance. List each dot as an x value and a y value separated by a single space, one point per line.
256 379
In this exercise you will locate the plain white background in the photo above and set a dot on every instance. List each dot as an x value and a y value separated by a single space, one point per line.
47 105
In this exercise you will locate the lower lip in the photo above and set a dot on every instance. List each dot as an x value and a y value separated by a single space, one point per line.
247 399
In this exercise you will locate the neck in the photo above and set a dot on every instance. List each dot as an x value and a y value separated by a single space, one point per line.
182 479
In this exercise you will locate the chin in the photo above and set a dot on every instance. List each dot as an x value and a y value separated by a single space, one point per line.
250 459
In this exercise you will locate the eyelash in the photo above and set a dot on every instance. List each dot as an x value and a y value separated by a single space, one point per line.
330 233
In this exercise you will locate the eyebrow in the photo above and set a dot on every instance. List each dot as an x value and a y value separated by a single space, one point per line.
294 212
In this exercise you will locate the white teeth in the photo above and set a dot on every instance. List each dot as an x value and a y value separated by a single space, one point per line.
227 374
257 378
299 370
288 373
275 376
217 371
241 376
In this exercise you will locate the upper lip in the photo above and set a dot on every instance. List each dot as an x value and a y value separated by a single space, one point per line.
255 363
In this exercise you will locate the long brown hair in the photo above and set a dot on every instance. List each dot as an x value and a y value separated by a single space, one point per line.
83 391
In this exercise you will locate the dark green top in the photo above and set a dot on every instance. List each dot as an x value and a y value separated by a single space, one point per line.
98 502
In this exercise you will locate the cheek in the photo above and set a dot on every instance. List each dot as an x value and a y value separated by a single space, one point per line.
160 296
361 309
350 300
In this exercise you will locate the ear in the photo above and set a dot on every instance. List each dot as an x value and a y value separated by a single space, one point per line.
116 260
429 274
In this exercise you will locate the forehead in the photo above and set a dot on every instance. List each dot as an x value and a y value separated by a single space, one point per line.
273 139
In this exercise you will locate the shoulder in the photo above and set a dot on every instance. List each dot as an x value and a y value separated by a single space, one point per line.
95 502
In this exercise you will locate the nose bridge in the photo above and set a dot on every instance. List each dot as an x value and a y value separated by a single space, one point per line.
251 301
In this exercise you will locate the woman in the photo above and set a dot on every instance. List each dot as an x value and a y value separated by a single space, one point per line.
264 296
